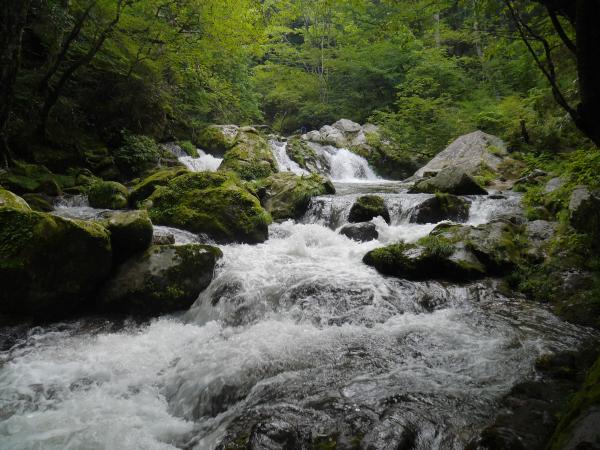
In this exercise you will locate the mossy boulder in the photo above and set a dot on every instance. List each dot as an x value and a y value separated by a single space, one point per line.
287 196
25 178
367 208
214 203
250 158
431 258
163 279
109 195
39 202
12 201
48 265
441 207
451 180
584 211
130 232
305 156
142 190
217 139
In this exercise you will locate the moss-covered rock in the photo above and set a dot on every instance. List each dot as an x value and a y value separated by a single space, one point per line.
108 194
432 258
217 139
368 207
12 201
39 202
214 203
49 264
28 178
584 211
130 232
142 190
441 207
287 196
164 278
452 180
251 157
305 156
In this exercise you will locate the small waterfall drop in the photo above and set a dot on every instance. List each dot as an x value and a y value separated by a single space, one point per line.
203 163
284 162
344 165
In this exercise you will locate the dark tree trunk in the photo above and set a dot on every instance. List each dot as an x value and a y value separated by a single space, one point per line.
12 23
587 28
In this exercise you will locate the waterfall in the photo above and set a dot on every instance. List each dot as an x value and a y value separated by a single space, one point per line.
203 163
284 162
344 165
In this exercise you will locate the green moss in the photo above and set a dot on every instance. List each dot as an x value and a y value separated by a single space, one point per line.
108 194
189 148
367 207
437 246
212 203
143 189
25 178
250 158
215 139
13 201
485 175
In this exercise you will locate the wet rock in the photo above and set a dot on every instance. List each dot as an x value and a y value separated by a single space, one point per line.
274 435
539 232
584 211
287 196
214 203
108 194
48 265
164 278
250 157
362 232
441 207
469 153
146 187
12 201
368 207
431 259
451 180
39 202
305 156
163 239
130 232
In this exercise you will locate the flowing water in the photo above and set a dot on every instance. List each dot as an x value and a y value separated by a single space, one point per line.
203 162
296 335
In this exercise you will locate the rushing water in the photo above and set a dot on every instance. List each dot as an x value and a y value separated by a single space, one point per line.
284 162
295 333
202 163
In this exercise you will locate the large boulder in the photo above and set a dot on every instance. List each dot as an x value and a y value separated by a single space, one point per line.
470 152
303 154
144 189
163 279
108 194
367 208
48 265
287 196
251 157
39 202
431 258
214 203
217 139
451 180
130 232
27 178
362 232
441 207
584 210
12 201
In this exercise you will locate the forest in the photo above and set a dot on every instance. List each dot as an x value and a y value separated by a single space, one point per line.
300 224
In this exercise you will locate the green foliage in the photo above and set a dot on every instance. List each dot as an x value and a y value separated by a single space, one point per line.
437 246
137 154
189 148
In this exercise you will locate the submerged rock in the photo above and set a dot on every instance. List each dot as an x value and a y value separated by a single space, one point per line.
164 278
287 196
441 207
130 232
367 208
451 180
214 203
362 232
48 265
250 157
12 201
108 194
470 153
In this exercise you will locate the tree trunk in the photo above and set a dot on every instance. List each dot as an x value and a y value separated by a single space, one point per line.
12 24
587 28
